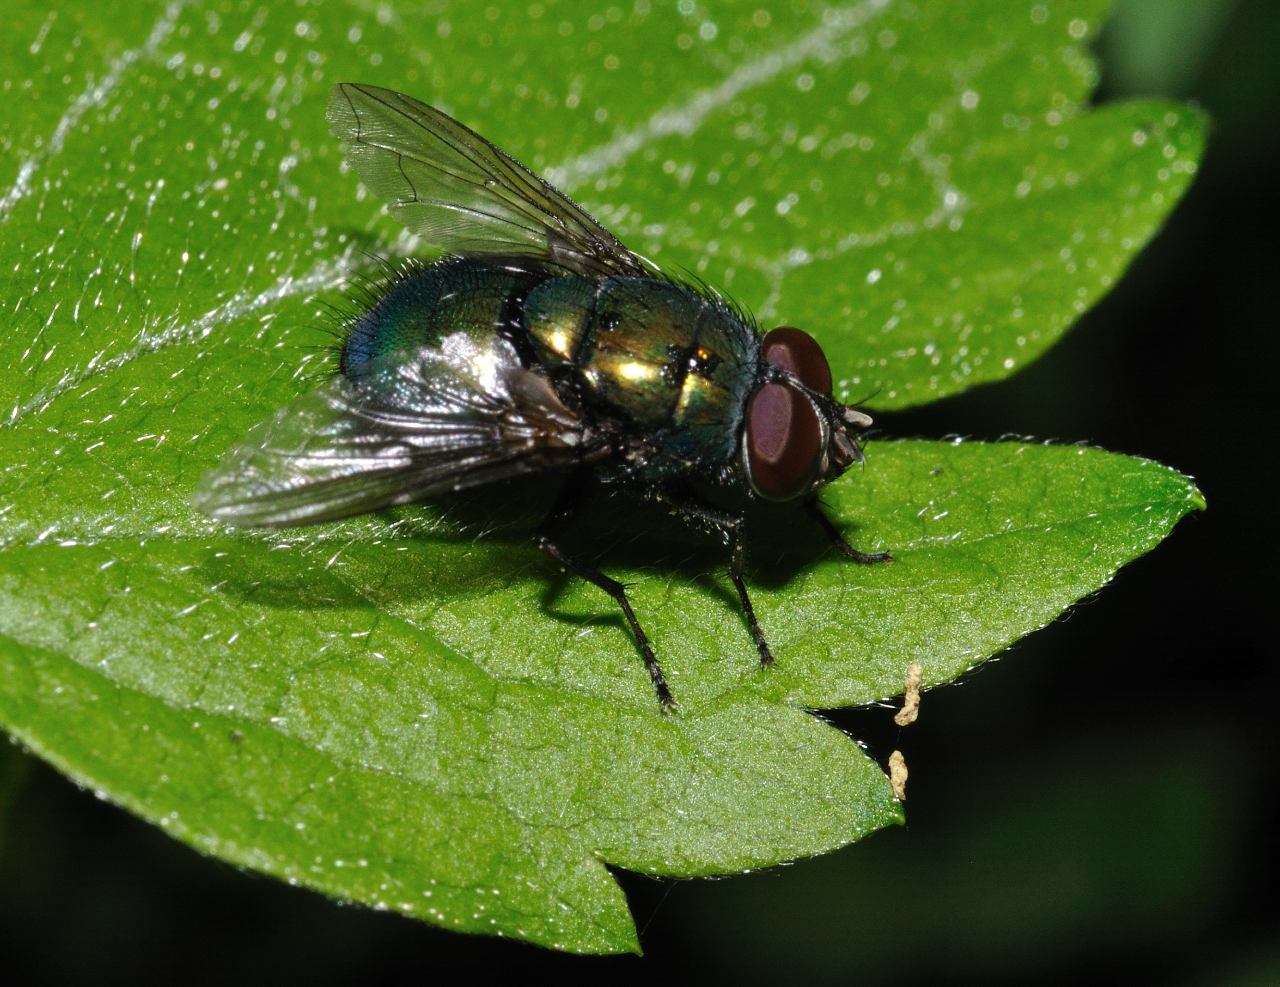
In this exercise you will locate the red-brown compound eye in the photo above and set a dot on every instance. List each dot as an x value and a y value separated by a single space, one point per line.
783 442
795 350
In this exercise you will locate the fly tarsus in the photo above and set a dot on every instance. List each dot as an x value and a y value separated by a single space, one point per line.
814 508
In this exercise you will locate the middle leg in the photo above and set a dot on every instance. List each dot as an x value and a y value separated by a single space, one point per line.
732 530
547 539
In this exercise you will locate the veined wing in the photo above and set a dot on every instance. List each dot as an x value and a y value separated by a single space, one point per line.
414 424
456 190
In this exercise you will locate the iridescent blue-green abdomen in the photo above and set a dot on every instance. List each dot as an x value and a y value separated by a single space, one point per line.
424 306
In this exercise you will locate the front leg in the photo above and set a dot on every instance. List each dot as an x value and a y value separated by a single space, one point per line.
814 508
732 530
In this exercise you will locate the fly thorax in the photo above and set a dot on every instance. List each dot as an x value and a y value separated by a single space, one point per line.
558 314
652 354
641 347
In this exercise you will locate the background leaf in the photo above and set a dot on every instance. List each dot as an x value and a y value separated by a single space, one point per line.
355 708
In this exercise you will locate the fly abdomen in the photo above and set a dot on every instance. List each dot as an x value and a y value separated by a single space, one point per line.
423 305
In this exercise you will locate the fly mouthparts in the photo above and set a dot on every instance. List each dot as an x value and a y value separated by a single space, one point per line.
846 449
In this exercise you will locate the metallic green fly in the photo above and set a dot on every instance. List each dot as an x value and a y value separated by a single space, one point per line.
539 343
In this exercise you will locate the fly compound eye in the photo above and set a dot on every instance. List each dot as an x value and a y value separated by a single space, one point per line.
795 350
783 442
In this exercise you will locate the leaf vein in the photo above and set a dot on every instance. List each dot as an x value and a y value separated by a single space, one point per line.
684 118
92 95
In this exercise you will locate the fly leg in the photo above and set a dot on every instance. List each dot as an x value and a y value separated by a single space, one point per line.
565 507
732 530
815 511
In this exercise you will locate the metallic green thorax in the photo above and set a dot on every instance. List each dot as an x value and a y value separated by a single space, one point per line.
666 359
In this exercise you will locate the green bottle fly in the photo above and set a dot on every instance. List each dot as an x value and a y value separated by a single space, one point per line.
539 344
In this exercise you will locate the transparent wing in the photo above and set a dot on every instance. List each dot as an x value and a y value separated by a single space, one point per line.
415 424
456 190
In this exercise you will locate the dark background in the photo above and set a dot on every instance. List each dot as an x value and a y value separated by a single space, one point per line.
1098 803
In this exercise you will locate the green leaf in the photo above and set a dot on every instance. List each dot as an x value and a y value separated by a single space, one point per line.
417 711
